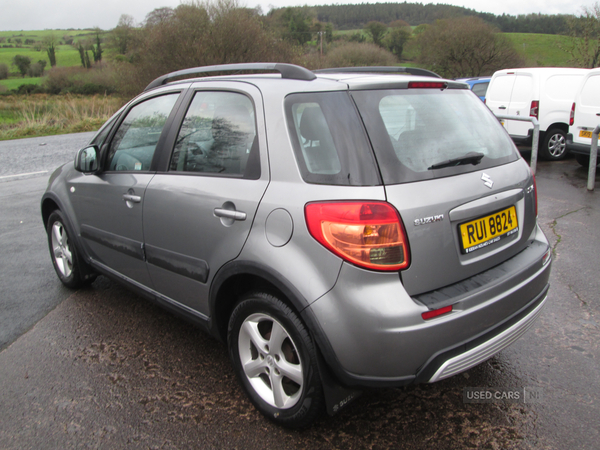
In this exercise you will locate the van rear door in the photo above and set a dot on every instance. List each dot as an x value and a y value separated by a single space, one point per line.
499 93
521 104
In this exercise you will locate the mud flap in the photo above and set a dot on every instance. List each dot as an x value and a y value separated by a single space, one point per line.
337 396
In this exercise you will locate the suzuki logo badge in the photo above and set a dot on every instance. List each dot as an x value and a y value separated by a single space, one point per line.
487 180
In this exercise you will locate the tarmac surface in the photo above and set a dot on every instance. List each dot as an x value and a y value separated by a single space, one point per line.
103 368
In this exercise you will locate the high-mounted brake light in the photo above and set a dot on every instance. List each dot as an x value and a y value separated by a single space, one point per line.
368 234
572 115
427 85
535 109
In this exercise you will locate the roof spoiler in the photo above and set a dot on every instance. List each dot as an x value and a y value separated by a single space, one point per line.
289 71
381 69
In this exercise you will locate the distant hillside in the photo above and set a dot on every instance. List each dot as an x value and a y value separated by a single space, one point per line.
348 17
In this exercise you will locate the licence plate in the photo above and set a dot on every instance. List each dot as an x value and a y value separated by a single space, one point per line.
488 230
585 134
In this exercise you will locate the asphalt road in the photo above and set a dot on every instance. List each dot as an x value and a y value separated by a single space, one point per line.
103 368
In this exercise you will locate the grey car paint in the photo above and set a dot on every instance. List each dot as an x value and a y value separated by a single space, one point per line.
206 240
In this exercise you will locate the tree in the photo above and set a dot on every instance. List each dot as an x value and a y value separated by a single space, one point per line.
97 47
298 26
50 44
22 63
4 72
584 45
198 34
377 31
397 37
123 34
465 47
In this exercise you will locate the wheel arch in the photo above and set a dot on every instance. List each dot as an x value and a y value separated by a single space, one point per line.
240 277
560 125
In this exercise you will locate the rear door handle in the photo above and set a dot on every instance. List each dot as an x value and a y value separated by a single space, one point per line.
229 214
502 107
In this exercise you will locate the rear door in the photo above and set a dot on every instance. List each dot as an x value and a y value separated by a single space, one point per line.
199 210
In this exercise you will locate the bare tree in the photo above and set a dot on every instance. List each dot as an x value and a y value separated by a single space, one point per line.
584 43
465 47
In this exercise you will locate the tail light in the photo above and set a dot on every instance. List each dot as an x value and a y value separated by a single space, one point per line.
367 234
572 115
535 109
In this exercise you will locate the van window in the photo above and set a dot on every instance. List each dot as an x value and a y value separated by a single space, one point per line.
590 93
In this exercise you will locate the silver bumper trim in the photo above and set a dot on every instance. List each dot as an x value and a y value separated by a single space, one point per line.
477 355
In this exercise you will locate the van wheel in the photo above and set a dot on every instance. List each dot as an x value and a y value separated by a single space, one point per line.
275 360
554 147
584 160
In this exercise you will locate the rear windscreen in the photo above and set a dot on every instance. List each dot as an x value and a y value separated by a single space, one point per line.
419 134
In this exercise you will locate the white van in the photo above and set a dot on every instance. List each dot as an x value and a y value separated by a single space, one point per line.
585 116
546 93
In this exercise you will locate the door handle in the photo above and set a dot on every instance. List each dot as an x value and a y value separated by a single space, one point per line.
229 214
132 198
502 107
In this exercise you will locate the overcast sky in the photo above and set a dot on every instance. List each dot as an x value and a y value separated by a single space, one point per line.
64 14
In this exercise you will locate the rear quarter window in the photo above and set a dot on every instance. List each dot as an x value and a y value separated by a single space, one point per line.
414 129
329 140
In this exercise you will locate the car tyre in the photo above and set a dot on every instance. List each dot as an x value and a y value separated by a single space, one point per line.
65 258
554 147
275 360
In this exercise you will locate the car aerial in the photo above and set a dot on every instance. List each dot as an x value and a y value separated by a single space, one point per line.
479 85
585 117
545 93
350 228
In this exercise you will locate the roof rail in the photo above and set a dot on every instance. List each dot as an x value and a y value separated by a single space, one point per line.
289 71
381 69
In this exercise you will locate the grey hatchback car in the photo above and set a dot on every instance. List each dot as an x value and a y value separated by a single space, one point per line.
342 229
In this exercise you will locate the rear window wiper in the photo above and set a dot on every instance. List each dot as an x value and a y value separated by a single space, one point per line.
470 158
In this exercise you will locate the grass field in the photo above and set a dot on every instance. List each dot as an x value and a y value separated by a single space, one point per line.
541 50
43 115
66 55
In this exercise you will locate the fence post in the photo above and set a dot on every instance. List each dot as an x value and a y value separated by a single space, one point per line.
593 160
535 139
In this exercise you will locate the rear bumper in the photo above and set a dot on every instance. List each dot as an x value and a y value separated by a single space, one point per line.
371 332
577 148
490 345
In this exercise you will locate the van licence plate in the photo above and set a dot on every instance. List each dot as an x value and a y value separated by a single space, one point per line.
585 134
488 230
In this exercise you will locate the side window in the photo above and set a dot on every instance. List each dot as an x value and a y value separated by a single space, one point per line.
218 136
329 140
103 134
134 143
314 135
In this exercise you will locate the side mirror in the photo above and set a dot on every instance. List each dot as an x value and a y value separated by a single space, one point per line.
87 159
